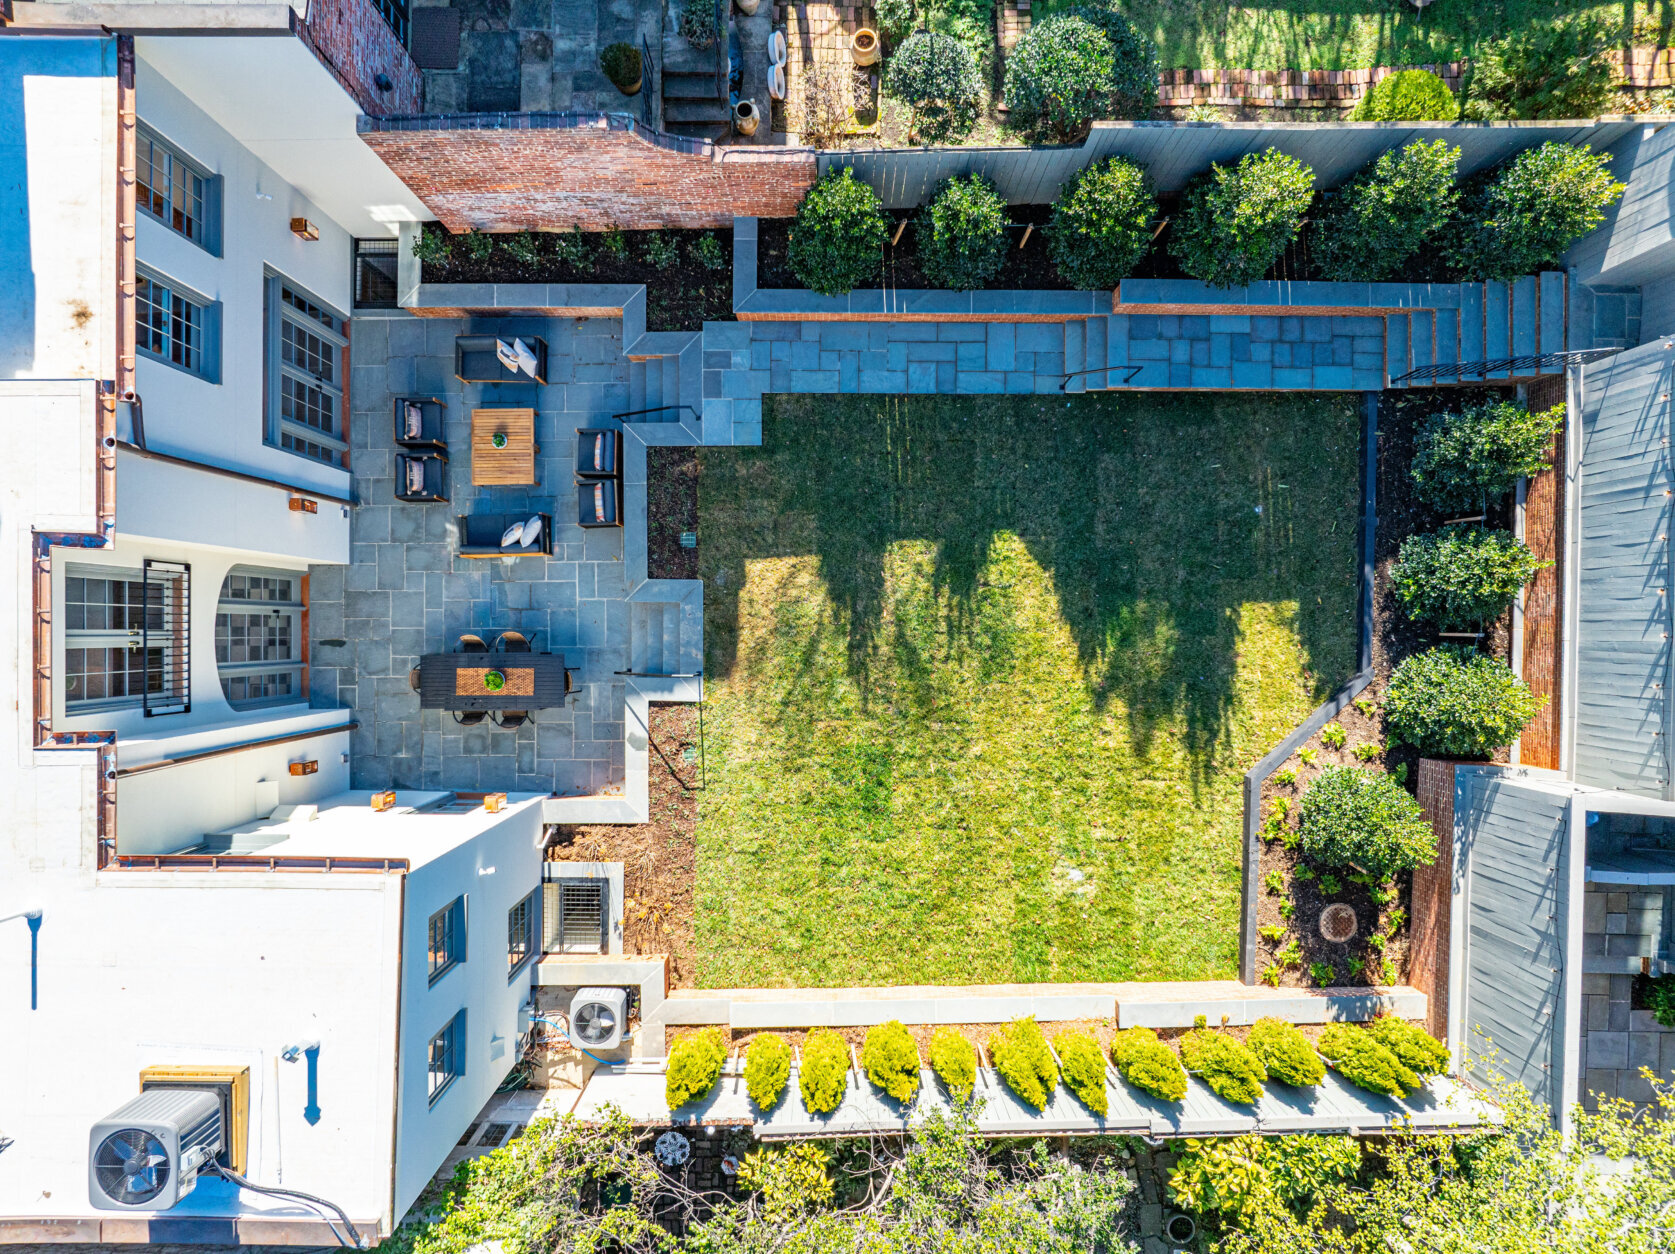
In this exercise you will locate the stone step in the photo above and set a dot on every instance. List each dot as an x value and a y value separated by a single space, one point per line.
670 389
1094 349
1075 354
676 112
636 385
1525 317
1497 313
1552 335
685 85
1471 325
1396 330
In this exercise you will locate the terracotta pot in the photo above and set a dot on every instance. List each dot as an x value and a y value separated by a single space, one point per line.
746 117
864 46
633 89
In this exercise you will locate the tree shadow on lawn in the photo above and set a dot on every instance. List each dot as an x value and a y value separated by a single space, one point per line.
1157 516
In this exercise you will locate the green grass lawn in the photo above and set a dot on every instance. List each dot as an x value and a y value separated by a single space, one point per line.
1350 34
984 674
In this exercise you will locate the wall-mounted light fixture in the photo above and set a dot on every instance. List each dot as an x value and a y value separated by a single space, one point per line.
303 229
304 505
494 802
305 768
385 800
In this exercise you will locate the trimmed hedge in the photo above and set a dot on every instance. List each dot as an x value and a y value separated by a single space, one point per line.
1059 78
1365 1063
1235 221
1520 218
1462 575
1148 1064
1286 1053
1378 221
823 1077
1084 1068
1451 702
767 1069
954 1059
891 1059
962 234
1362 818
1407 96
1419 1051
694 1066
1232 1069
1019 1052
937 78
1102 224
1473 458
1133 60
839 236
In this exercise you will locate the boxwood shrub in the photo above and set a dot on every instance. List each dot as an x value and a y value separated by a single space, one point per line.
823 1077
1148 1064
1356 817
1520 218
1376 223
1059 78
1102 224
962 234
895 18
694 1066
838 240
1466 460
891 1060
1133 60
954 1059
1286 1053
1233 1070
1454 702
1364 1062
1407 96
1084 1068
1559 69
1235 221
767 1068
1419 1051
937 78
1019 1052
1461 575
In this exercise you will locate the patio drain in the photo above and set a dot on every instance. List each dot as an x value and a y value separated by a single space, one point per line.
1337 922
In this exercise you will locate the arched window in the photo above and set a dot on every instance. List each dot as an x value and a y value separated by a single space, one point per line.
258 637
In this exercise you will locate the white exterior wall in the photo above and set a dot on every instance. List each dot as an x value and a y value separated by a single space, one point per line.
224 424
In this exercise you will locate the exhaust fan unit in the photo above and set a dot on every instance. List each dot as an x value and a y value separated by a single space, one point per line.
598 1017
147 1155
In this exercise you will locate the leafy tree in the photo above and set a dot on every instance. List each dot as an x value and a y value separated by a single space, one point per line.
1235 221
962 234
1241 1178
1133 60
1554 69
1520 218
1378 221
1356 817
936 76
839 237
1407 96
895 18
791 1181
1059 78
1462 575
1102 224
1470 459
1457 703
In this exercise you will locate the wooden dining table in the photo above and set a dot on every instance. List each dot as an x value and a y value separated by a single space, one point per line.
459 681
513 464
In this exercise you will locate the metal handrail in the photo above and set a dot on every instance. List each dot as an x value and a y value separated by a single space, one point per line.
1530 363
1129 378
657 410
649 114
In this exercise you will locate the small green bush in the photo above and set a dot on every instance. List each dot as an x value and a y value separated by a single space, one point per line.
1084 1068
1059 78
1232 1069
1235 221
971 22
1246 1178
823 1077
1357 817
1407 96
520 247
697 23
1333 735
1386 215
1148 1064
659 251
1457 703
895 18
891 1060
954 1059
1659 996
962 234
1286 1053
694 1066
1419 1051
937 78
839 237
571 247
1019 1052
433 246
1473 458
1102 224
1557 69
478 245
1520 218
1462 575
1133 60
767 1069
1364 1062
621 64
707 251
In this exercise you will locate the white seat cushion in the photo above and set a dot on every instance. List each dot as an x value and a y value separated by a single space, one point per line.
531 531
513 534
599 451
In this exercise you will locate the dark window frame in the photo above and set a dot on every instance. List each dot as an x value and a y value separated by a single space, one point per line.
316 330
451 922
445 1056
530 929
148 145
207 327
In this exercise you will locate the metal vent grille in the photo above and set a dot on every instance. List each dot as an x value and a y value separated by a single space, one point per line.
579 915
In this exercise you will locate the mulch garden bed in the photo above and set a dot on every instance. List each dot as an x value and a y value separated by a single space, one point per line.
657 856
1297 905
671 511
679 297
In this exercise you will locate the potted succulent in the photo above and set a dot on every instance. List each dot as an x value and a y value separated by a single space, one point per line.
621 64
498 439
494 681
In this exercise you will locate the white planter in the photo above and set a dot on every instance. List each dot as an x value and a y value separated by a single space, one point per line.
864 46
746 117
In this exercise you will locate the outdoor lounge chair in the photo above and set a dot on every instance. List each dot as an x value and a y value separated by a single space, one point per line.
477 361
418 423
421 478
599 502
598 453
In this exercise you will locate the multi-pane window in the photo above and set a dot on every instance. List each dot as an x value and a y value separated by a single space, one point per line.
118 637
175 326
447 938
447 1056
520 934
258 637
305 371
395 13
176 192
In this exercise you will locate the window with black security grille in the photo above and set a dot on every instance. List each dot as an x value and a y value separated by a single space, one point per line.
521 933
375 273
578 916
395 12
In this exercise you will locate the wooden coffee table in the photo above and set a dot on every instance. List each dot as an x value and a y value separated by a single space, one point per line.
513 464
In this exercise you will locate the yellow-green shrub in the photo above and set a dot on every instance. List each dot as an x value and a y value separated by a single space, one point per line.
767 1068
1232 1070
1286 1053
1148 1064
824 1074
1418 1049
1365 1062
1020 1054
694 1066
891 1060
954 1059
1084 1068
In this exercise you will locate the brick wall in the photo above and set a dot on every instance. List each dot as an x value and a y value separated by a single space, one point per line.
1427 955
1544 533
356 44
591 177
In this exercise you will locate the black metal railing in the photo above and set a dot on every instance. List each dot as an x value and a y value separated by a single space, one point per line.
722 61
650 117
658 409
1130 374
166 638
1529 363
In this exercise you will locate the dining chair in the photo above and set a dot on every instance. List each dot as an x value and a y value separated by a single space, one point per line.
570 682
413 679
508 719
469 718
513 642
469 643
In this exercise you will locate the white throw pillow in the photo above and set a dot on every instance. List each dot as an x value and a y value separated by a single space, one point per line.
525 356
599 451
415 475
508 357
415 420
513 534
531 531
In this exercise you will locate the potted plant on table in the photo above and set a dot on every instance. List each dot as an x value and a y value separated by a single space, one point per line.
494 681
